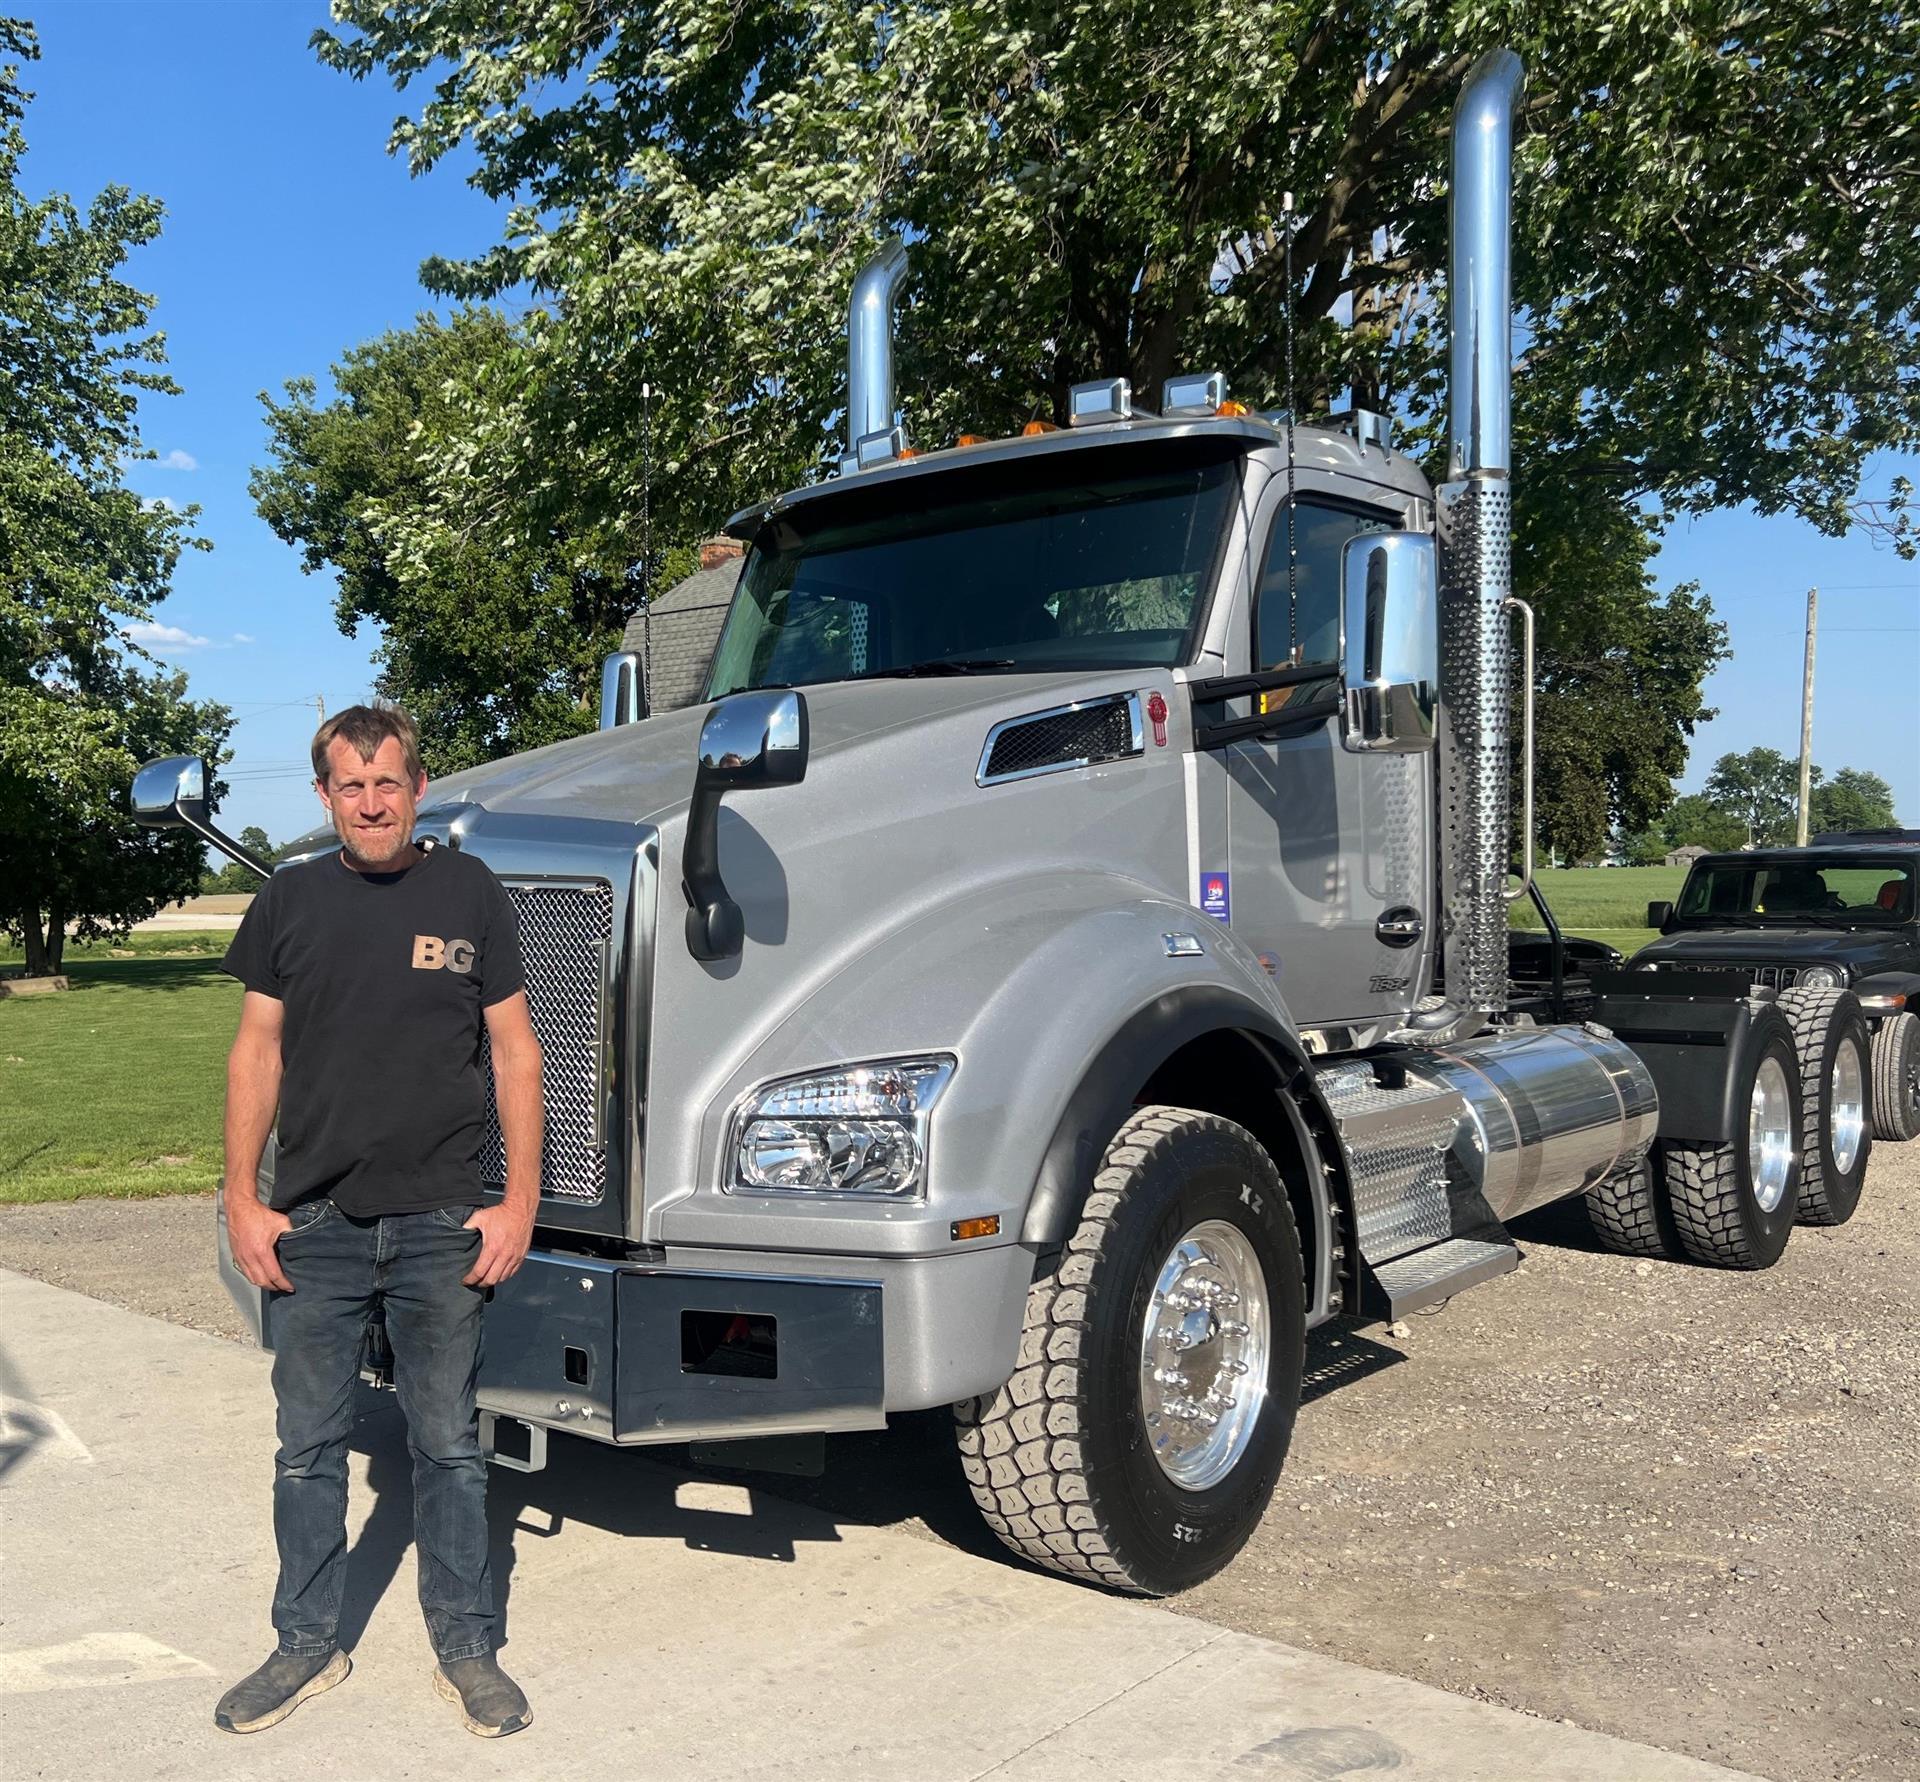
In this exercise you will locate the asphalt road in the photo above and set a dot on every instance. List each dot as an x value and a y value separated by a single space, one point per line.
1669 1503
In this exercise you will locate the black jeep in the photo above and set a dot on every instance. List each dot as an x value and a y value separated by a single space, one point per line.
1842 914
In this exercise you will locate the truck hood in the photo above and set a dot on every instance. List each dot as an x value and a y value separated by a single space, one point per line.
1859 947
640 773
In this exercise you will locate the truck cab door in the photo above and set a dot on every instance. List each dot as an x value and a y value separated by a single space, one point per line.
1330 868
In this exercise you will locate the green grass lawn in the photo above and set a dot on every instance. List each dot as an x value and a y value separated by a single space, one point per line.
115 1087
1607 903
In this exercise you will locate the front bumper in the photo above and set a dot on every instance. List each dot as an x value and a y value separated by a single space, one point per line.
722 1345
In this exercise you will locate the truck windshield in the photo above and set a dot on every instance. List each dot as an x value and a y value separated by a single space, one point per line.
1066 568
1822 888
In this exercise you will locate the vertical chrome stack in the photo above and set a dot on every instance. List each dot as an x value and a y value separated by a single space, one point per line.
870 354
1475 529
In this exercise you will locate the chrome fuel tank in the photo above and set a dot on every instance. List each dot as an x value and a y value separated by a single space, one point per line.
1549 1111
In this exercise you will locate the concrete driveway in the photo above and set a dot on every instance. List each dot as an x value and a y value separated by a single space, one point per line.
665 1626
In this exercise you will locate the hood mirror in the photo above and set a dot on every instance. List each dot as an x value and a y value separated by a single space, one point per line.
750 739
172 794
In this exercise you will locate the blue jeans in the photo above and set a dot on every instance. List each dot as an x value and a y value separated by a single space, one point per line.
343 1270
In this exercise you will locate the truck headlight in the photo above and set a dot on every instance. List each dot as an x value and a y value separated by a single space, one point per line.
858 1130
1819 977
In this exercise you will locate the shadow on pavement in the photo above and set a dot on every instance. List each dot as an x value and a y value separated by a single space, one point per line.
908 1473
1563 1225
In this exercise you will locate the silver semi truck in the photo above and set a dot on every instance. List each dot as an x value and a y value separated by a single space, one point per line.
1064 959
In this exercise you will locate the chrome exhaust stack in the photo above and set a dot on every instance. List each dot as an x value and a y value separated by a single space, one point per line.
1476 541
872 437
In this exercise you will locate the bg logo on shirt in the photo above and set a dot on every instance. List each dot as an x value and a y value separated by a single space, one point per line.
431 953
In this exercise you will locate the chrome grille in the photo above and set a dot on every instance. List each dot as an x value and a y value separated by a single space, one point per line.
565 930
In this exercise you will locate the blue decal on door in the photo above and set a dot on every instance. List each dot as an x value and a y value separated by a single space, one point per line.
1216 896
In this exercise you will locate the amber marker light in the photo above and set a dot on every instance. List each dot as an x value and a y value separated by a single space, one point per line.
1033 427
971 439
976 1228
1231 407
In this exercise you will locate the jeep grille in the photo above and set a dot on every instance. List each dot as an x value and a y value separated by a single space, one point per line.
1764 977
565 931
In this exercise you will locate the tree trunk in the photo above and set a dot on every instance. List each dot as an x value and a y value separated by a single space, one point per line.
56 940
34 940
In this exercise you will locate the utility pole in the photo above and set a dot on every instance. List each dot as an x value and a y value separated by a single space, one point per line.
1806 721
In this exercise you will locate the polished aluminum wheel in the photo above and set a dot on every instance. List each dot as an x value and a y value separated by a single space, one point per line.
1847 1098
1204 1354
1770 1134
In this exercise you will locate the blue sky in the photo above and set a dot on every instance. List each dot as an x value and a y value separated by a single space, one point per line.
292 236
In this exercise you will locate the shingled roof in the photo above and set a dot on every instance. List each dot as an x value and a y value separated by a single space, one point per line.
686 626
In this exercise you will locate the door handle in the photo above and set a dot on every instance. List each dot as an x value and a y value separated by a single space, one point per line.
1399 927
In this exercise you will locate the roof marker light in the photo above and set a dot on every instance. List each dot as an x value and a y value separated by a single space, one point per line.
1195 394
1032 428
1090 404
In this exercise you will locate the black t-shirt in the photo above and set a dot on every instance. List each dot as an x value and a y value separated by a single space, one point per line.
383 977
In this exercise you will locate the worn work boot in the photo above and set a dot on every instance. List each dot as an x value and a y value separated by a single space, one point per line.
278 1687
489 1699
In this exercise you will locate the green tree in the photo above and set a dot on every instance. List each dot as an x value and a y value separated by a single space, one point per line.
491 639
81 559
1696 821
1759 790
1098 191
1853 799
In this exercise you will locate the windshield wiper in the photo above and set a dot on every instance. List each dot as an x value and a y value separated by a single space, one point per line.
936 665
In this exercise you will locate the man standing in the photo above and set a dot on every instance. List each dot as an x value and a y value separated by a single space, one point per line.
369 976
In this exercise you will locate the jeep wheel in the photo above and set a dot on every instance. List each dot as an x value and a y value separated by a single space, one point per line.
1830 1036
1630 1213
1143 1430
1734 1204
1896 1078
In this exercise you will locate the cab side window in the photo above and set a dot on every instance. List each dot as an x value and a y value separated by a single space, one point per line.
1312 623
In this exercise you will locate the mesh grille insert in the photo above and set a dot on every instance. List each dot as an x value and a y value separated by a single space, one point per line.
1102 732
564 934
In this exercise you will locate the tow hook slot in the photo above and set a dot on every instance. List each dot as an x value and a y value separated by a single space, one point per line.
526 1451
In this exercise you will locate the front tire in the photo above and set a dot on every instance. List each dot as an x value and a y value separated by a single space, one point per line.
1830 1035
1087 1462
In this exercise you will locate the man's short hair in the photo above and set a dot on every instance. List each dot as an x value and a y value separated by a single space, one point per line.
366 727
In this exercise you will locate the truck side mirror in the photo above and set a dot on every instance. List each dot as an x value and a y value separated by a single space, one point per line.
623 689
1659 914
172 794
750 739
1389 641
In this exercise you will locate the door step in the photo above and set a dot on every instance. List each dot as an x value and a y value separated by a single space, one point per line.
1424 1278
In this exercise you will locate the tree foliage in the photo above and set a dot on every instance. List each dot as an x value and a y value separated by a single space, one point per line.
1853 799
81 558
1717 263
490 636
1760 790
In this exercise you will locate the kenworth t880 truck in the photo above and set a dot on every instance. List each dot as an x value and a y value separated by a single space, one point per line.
1064 959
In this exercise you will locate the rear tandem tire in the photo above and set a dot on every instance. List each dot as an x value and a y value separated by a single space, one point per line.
1831 1038
1734 1203
1061 1460
1896 1078
1631 1214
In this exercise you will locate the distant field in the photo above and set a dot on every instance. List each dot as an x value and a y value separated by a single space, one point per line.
1607 903
184 943
116 1086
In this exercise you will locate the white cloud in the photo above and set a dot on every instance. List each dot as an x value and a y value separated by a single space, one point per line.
157 504
165 640
241 637
178 460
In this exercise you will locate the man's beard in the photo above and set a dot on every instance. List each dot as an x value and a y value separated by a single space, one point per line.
376 847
